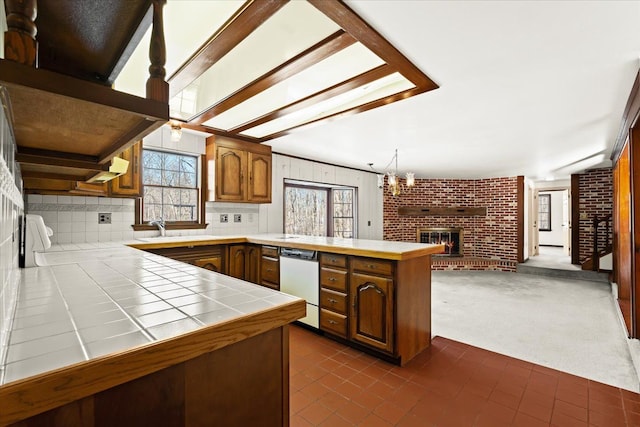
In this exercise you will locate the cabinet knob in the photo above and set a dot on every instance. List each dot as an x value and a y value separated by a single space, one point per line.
371 266
332 301
333 322
332 279
269 269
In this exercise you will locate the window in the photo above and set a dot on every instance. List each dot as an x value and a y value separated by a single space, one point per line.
314 209
170 183
544 212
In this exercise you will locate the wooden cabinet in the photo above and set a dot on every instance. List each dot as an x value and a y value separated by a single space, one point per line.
242 171
214 263
244 262
372 302
129 184
237 257
211 257
333 294
270 267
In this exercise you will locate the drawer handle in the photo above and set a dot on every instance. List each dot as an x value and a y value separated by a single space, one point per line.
332 279
332 301
333 322
334 260
371 266
269 269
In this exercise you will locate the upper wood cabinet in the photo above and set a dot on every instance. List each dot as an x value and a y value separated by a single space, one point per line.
238 171
129 184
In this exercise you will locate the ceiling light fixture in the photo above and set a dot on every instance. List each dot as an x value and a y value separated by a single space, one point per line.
176 131
393 179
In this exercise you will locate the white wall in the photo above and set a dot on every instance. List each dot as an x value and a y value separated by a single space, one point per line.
555 237
369 196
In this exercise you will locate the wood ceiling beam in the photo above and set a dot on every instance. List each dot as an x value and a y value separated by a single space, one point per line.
53 175
219 132
253 14
359 109
338 89
348 20
311 56
60 159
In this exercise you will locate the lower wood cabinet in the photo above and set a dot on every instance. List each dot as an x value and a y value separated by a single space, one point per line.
270 267
211 257
372 310
244 262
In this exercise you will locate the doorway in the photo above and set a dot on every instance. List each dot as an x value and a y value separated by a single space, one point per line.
552 214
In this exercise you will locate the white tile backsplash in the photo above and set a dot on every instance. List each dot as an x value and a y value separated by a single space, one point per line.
74 219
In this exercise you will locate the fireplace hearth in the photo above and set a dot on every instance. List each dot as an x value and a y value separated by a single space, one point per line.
450 237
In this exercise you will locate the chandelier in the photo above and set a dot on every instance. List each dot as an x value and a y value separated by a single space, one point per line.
393 179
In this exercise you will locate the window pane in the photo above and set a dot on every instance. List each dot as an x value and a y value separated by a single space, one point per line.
305 211
165 176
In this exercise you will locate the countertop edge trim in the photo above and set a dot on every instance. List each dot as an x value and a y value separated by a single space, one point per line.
33 395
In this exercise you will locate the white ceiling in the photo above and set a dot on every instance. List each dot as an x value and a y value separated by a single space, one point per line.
526 88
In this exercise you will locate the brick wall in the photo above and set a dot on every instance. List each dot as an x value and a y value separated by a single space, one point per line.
596 199
491 237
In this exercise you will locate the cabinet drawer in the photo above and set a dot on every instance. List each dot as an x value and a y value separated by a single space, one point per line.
334 301
269 271
333 279
333 260
270 285
372 266
333 322
270 251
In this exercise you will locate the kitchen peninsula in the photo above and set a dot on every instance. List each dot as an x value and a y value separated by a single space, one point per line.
211 344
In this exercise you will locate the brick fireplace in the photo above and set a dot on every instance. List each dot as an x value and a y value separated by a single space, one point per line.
490 234
450 237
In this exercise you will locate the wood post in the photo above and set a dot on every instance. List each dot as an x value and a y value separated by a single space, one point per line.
20 43
157 87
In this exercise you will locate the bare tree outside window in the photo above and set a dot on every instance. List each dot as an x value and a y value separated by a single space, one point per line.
170 183
544 212
314 209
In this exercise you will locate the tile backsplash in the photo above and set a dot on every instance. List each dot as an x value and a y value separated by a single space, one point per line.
74 219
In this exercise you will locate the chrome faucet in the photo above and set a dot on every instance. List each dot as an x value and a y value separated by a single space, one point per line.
160 224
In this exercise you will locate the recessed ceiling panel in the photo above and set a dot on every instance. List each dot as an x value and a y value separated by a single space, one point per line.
341 66
293 29
379 89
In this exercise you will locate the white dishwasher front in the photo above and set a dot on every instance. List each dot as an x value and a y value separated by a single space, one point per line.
300 276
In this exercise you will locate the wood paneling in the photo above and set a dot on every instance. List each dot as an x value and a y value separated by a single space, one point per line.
413 302
623 248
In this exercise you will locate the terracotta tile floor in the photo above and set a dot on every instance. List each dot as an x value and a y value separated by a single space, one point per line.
449 384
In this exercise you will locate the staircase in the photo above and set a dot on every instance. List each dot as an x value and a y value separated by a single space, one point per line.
602 246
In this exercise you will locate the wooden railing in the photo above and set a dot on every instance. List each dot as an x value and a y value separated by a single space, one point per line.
602 239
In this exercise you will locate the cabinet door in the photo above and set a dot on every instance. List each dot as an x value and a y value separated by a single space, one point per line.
259 190
237 257
129 184
213 263
252 264
231 165
371 320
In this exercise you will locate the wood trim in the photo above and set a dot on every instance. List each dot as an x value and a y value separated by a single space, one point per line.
634 169
37 394
127 139
355 110
575 219
435 211
237 28
520 214
52 175
629 119
347 19
338 89
53 158
220 132
311 56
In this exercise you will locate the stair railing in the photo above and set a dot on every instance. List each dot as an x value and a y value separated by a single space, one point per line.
600 223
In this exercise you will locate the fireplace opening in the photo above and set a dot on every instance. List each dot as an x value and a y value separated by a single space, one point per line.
451 238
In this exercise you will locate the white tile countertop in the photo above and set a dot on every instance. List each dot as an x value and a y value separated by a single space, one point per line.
90 300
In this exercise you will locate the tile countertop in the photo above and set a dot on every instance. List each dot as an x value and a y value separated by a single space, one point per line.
91 300
383 249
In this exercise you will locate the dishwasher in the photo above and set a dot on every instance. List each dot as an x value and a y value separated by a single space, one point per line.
300 276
